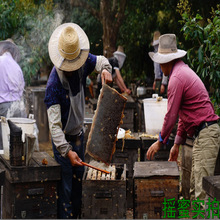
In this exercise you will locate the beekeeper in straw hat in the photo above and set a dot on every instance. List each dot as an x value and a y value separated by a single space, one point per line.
188 99
69 52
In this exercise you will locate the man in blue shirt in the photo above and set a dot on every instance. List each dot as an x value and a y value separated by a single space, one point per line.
69 51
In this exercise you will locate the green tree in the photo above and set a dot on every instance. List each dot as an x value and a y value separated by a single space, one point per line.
110 13
26 22
204 54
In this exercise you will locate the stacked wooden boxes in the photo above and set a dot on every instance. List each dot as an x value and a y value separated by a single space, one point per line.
140 116
104 199
127 152
31 191
129 113
154 181
211 185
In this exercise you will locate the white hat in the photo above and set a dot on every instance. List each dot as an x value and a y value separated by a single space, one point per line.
68 47
167 50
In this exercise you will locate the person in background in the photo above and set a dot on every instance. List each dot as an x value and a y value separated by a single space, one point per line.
65 100
188 98
116 62
89 83
12 82
160 81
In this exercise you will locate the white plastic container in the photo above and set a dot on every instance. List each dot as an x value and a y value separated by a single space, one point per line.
154 113
5 137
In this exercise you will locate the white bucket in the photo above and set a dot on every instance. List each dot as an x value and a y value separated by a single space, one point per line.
154 113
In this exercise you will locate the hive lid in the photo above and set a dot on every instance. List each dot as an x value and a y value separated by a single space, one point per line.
155 168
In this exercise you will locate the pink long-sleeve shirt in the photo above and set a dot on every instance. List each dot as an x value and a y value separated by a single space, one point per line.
188 98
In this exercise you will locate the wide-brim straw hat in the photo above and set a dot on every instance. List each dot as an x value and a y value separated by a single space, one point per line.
68 47
167 50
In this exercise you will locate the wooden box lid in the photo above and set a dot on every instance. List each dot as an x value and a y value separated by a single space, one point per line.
211 185
35 172
155 168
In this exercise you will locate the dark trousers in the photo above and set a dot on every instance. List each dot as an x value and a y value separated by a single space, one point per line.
70 186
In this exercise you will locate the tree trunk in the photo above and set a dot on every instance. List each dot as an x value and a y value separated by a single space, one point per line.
111 15
109 31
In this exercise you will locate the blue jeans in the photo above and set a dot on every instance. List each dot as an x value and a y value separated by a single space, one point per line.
70 186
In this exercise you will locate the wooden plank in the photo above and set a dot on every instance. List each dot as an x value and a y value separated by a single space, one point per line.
155 168
36 171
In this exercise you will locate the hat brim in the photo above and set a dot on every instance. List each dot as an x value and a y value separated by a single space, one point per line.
165 58
55 56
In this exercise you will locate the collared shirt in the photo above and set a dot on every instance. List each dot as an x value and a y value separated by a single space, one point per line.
12 80
188 98
57 94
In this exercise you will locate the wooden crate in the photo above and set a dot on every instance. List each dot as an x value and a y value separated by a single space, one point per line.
103 199
211 185
31 191
154 181
127 152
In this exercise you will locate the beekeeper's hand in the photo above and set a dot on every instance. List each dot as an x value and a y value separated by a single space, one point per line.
74 158
106 76
174 151
154 148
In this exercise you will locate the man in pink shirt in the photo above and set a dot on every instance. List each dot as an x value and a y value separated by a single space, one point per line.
188 99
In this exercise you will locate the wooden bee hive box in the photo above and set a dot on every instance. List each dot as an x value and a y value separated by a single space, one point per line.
104 198
31 191
127 152
211 185
153 182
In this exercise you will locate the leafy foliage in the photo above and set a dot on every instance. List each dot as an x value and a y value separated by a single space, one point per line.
204 53
136 34
25 22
